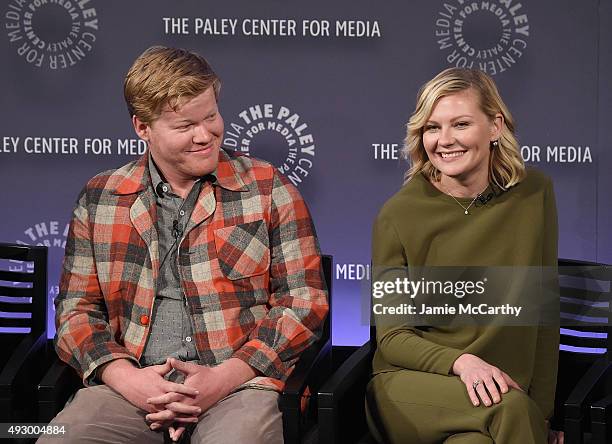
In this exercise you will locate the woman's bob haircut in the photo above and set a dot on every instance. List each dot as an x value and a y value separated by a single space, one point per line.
506 166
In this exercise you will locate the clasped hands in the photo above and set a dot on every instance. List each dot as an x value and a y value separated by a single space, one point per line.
176 408
171 405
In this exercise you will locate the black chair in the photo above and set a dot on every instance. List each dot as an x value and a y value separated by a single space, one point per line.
601 419
341 399
586 290
298 407
23 322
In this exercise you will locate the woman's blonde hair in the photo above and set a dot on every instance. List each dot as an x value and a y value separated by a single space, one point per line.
506 166
161 76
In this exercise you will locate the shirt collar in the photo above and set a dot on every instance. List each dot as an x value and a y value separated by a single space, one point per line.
229 175
156 179
158 182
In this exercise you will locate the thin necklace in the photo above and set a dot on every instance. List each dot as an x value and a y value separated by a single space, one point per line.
465 209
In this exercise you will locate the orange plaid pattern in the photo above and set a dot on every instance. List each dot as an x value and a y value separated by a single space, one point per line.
249 263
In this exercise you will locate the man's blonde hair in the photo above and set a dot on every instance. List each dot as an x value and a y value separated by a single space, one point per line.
161 76
506 166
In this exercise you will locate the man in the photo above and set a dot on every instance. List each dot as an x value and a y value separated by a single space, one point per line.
192 277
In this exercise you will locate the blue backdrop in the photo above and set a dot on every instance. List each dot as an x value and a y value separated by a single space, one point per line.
344 73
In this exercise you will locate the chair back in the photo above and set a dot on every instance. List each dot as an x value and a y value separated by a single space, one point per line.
327 265
23 294
585 293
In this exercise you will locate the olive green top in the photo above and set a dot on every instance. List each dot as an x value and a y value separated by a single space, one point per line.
421 226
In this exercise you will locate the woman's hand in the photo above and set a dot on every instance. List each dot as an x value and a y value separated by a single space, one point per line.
554 437
482 380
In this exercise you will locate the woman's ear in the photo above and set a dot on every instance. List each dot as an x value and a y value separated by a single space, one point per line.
497 127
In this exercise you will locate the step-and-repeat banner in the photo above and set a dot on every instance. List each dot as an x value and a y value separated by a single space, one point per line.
321 89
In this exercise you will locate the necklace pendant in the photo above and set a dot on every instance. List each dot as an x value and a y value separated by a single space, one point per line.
466 212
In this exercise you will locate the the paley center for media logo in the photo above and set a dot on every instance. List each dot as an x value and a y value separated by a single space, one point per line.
53 235
275 133
53 34
488 35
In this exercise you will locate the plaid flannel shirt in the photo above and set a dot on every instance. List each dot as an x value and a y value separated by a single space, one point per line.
249 265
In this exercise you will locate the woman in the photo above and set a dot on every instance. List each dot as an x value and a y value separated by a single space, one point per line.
468 200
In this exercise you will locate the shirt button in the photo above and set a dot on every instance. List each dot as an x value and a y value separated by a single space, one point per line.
188 339
182 212
144 319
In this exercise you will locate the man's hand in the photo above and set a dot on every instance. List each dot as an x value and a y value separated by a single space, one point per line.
482 379
137 385
212 383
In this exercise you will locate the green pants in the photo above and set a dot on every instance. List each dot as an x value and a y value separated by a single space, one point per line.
410 407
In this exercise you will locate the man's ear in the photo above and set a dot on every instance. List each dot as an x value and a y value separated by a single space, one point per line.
142 129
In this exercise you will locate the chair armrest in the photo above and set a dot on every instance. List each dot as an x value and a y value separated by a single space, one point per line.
601 408
58 384
29 350
313 366
318 358
575 405
357 367
585 387
601 413
19 377
341 400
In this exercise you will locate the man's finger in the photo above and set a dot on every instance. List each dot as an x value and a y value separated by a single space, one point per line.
166 398
175 432
179 407
179 388
162 369
169 415
184 367
164 415
160 425
187 419
178 433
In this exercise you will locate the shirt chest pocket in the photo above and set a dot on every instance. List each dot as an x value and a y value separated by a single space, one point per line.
243 250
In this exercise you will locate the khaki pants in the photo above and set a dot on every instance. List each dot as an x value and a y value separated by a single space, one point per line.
100 415
410 407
